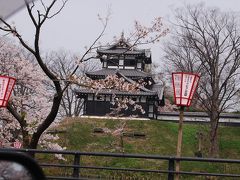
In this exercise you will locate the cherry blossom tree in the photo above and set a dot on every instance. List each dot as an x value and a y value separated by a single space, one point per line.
29 102
140 35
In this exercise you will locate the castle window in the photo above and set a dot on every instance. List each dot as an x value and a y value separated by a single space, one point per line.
108 98
104 64
143 99
121 62
90 97
113 62
139 65
130 62
99 98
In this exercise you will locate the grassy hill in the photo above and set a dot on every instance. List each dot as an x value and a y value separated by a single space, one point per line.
160 138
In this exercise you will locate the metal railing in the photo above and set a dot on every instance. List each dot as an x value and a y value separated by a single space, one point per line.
227 119
166 169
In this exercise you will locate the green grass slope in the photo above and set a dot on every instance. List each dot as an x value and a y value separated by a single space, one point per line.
160 139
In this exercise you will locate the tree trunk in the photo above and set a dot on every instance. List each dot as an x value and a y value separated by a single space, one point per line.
26 139
47 122
214 148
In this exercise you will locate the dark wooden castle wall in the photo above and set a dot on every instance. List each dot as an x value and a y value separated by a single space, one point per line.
101 108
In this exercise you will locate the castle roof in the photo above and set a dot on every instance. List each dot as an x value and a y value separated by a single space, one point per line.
123 47
156 90
116 92
132 73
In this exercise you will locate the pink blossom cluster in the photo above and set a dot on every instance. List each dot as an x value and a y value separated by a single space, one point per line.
144 35
112 82
30 99
125 104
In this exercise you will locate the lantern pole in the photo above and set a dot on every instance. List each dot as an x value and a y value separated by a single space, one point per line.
184 86
179 142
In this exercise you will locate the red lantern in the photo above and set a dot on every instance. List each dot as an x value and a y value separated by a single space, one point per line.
184 86
6 87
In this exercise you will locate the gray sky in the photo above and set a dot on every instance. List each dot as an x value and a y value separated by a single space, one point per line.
10 7
77 25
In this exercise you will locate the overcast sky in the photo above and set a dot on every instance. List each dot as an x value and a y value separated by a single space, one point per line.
77 25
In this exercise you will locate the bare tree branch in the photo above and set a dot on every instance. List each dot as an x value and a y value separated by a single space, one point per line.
207 41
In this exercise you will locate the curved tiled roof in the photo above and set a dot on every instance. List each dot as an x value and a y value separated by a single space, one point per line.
125 72
157 90
116 92
120 51
122 46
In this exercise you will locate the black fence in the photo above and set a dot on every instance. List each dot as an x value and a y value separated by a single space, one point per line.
78 166
226 119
